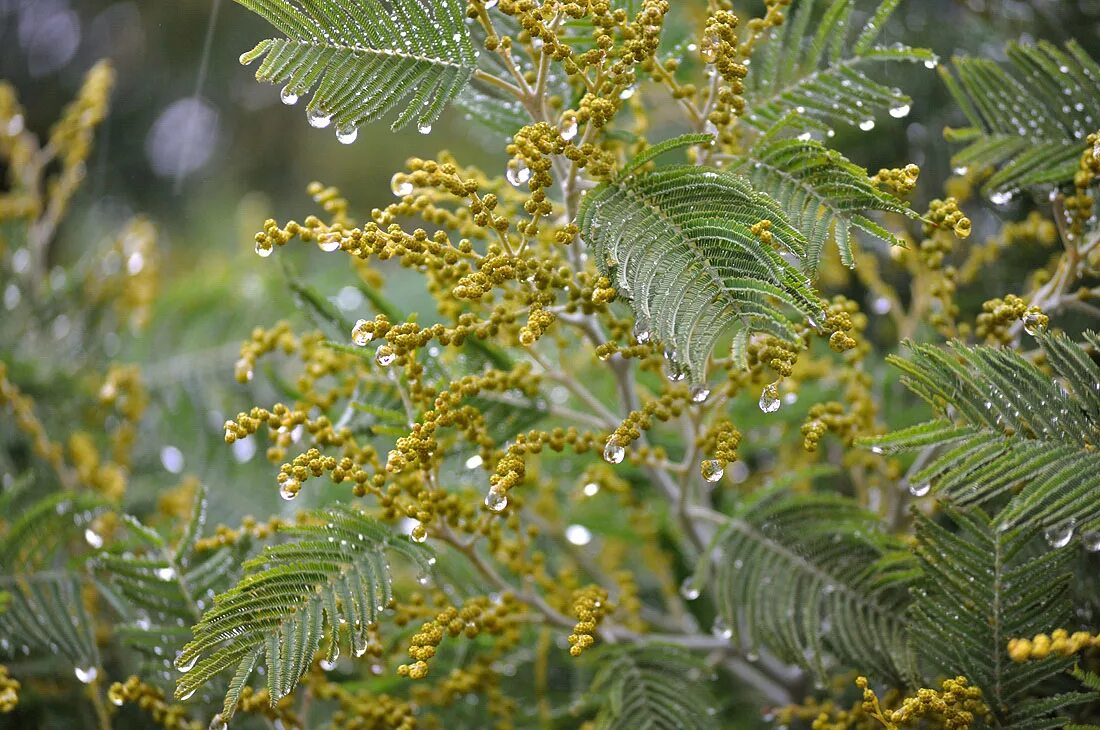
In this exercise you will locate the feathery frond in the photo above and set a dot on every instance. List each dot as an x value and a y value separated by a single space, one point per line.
45 613
981 586
1029 117
822 192
1013 438
814 69
363 60
811 577
677 242
652 687
335 571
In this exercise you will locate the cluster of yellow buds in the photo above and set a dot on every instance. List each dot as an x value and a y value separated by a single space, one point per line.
947 215
151 699
669 405
719 443
590 606
1080 205
899 181
999 315
366 710
477 615
1059 643
954 707
9 691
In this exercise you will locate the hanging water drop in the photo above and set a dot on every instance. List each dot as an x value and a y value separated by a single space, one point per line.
627 92
675 372
187 695
1091 541
361 333
578 535
708 48
1060 535
217 723
289 489
699 393
87 674
187 665
385 356
166 573
518 173
867 125
688 589
242 370
317 118
400 186
641 331
900 112
931 63
93 538
1034 323
419 533
329 242
613 451
424 128
712 470
569 128
1000 198
769 398
591 489
921 489
489 4
264 249
116 699
327 665
720 629
288 97
496 499
346 135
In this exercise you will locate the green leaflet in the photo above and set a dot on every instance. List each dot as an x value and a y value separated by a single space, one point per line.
363 61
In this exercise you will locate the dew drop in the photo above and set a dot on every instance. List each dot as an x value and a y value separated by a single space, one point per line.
919 490
489 4
1033 323
419 533
385 356
166 573
877 450
264 249
329 242
900 112
242 370
346 135
867 125
641 331
712 470
578 535
93 538
627 92
187 695
318 119
769 398
474 461
87 674
1060 535
327 665
218 723
1000 198
186 666
1091 541
289 489
496 499
288 97
116 700
569 128
699 393
720 629
518 173
591 489
424 128
361 333
931 63
688 589
613 452
400 186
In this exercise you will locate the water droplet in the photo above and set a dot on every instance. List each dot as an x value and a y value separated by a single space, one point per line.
419 533
385 356
496 499
877 450
627 92
116 699
242 370
346 135
518 173
327 665
361 333
1060 535
1000 198
867 125
1091 541
769 398
1034 324
329 242
805 137
400 186
217 723
318 119
699 393
919 490
187 695
166 573
186 666
688 589
641 331
490 4
591 489
264 249
289 489
424 128
674 371
720 629
288 97
474 461
87 674
93 538
578 535
900 112
613 452
712 470
569 128
931 63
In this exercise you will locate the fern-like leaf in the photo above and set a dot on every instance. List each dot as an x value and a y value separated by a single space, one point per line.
1029 117
335 571
981 587
1012 437
823 193
814 69
652 687
364 59
815 576
45 613
677 243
